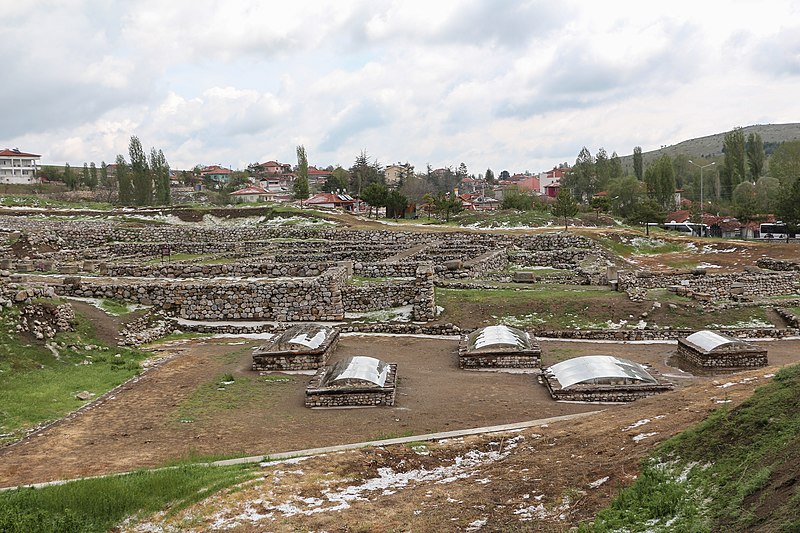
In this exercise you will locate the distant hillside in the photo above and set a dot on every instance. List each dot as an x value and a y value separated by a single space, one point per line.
711 146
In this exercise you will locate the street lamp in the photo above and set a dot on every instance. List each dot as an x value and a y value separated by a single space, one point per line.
701 187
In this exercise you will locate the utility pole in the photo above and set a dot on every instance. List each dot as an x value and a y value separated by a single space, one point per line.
702 208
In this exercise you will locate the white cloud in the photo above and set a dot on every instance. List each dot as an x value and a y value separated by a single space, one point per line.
516 85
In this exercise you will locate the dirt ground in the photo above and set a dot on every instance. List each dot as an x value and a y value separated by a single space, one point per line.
176 411
547 478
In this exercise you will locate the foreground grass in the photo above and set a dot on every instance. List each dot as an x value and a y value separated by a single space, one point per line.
97 505
735 471
37 387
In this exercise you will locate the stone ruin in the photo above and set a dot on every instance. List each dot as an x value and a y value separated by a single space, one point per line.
301 347
498 347
601 378
358 381
717 351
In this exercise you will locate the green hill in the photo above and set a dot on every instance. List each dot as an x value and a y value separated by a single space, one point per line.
710 146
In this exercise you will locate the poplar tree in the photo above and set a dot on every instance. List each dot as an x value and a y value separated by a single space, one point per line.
638 166
301 182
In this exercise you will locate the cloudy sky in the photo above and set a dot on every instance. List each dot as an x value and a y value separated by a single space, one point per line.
502 84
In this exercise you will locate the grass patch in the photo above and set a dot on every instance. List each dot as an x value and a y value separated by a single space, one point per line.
175 258
37 387
558 307
734 471
115 308
503 219
625 245
224 393
97 505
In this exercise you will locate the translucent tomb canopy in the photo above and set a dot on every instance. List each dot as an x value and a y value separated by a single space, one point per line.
358 370
599 370
497 339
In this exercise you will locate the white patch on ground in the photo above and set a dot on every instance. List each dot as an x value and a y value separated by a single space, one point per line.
540 512
642 436
387 482
637 424
476 525
395 314
707 265
297 221
743 324
98 303
597 483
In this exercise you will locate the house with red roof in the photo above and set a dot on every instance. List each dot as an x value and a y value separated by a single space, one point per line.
18 167
217 174
333 200
254 194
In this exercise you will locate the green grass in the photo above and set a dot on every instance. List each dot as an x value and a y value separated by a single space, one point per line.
219 395
97 505
732 472
32 200
115 308
502 219
36 387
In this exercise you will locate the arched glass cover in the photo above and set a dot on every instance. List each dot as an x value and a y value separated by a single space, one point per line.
302 336
709 340
358 368
598 370
498 339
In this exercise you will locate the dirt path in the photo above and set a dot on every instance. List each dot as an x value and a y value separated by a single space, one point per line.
177 411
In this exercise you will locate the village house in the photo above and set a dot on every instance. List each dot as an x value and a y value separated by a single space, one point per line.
218 175
18 167
255 194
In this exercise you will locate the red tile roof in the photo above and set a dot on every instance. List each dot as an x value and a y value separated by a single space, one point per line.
250 191
16 153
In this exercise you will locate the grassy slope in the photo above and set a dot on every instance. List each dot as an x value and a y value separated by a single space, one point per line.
96 505
736 471
35 387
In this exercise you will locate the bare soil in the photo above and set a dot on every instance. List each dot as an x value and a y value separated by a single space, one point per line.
542 479
175 411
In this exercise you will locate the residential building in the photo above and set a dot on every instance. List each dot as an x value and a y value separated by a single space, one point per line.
254 194
317 176
273 168
332 200
394 173
18 167
216 174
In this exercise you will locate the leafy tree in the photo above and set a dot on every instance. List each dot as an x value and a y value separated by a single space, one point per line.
70 179
159 175
504 175
647 210
339 180
50 173
565 206
462 171
140 173
683 171
363 173
789 207
785 163
375 194
624 194
754 147
93 181
614 167
660 179
581 178
600 204
489 177
768 191
300 188
735 161
105 181
638 165
446 205
396 203
416 187
124 181
85 174
602 169
513 198
744 201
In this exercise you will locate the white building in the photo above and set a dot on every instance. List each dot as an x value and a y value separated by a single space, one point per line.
18 167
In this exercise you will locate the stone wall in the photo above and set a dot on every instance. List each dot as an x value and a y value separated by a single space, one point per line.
714 286
777 264
332 397
723 359
304 299
605 393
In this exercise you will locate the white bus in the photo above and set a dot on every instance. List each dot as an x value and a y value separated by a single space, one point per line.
689 228
775 230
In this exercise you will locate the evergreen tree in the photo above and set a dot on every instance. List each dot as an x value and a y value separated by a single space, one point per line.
602 169
754 147
140 173
92 183
735 162
85 174
124 181
489 177
745 201
70 179
375 194
300 188
565 206
581 178
768 192
159 171
638 165
396 204
614 167
784 163
104 178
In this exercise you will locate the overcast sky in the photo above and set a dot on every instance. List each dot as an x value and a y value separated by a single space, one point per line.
500 84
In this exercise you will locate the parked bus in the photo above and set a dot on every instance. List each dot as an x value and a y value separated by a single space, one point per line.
775 230
689 228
